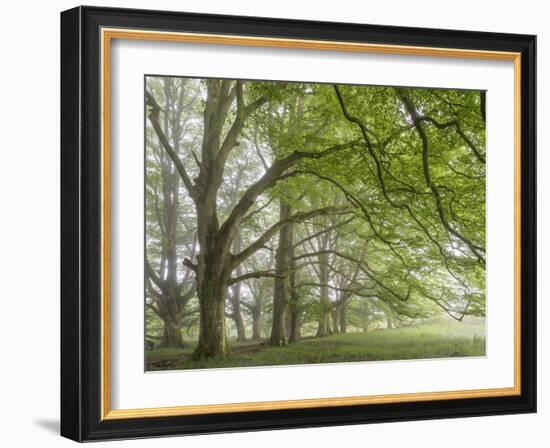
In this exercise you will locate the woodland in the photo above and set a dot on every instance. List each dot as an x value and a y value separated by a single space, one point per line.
296 222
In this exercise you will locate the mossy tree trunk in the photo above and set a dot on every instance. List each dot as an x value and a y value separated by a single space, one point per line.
212 290
235 297
343 319
323 326
295 309
281 289
171 336
335 315
256 325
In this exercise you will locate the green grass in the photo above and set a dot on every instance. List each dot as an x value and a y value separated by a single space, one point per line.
161 354
437 339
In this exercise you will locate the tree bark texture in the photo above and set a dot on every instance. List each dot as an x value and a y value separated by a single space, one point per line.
281 290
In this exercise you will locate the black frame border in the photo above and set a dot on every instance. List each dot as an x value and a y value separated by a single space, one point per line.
81 223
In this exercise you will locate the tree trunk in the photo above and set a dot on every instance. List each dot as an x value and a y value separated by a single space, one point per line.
282 282
295 318
323 328
288 320
212 339
237 315
343 319
171 336
212 275
295 326
236 297
294 333
335 314
256 330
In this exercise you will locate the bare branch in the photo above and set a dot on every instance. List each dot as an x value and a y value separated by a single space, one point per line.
325 230
257 274
243 112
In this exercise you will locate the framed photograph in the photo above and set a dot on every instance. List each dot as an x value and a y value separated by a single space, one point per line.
273 223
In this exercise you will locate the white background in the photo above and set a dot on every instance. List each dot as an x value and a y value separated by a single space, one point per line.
29 117
133 388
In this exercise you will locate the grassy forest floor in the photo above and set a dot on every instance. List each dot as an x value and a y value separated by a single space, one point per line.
437 339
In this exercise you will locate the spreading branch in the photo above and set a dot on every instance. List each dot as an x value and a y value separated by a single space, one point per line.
268 180
379 169
296 218
476 250
459 131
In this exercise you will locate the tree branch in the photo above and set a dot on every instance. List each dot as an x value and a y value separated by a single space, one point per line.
153 275
427 176
189 264
460 132
268 180
243 112
296 218
364 268
185 298
153 118
256 274
325 230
